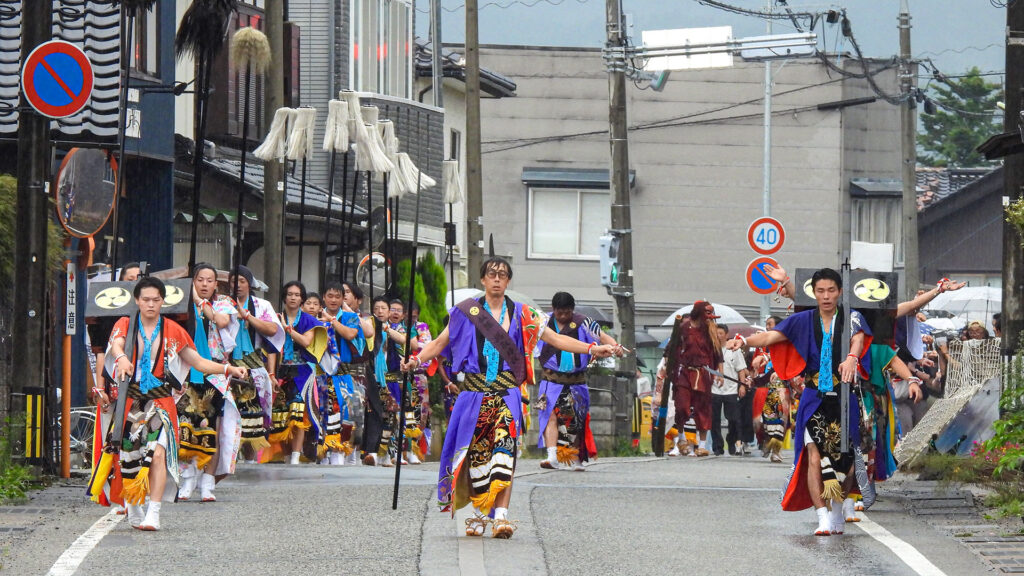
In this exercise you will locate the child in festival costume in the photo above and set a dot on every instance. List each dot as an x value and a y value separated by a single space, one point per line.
296 401
339 390
489 340
163 355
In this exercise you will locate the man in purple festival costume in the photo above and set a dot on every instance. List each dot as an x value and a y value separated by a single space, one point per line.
491 340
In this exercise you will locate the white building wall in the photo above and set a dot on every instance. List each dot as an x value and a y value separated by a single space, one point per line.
698 183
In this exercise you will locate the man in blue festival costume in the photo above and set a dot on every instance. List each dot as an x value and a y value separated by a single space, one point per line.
808 343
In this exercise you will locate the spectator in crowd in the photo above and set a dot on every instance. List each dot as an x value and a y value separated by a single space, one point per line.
997 325
725 396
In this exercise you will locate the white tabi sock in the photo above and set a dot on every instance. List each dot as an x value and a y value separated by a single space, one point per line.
552 454
823 524
704 444
836 518
206 485
295 457
501 513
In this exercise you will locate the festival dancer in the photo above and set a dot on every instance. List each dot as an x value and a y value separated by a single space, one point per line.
359 359
295 400
162 358
259 335
808 343
886 369
563 398
103 394
691 384
418 418
340 388
387 369
211 429
380 405
490 340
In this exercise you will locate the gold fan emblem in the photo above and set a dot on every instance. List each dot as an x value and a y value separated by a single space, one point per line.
174 295
112 298
871 290
474 311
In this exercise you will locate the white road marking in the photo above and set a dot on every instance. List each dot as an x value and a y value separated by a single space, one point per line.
904 551
72 558
471 548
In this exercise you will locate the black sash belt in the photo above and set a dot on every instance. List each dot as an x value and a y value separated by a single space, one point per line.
479 383
564 378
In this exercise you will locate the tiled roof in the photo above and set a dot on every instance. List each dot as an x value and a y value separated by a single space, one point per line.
93 26
491 83
934 184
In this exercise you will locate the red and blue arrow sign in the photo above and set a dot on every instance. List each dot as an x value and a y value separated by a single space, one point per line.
57 79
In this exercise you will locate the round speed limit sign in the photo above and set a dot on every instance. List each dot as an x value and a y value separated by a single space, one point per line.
766 235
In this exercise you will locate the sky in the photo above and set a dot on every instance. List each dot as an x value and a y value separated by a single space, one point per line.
955 34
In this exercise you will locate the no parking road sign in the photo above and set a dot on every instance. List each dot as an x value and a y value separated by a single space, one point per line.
758 279
57 79
766 235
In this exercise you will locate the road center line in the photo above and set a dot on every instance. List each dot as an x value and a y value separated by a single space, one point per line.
471 549
904 551
72 558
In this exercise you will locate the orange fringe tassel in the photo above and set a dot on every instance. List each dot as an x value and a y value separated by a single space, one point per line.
567 454
134 490
485 501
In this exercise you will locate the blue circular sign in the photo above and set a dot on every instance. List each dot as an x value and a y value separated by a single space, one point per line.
57 79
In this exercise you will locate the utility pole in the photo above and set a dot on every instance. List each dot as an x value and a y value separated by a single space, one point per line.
474 176
435 42
273 185
766 196
28 366
908 148
1013 180
621 219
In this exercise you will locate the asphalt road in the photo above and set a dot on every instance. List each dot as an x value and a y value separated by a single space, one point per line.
621 516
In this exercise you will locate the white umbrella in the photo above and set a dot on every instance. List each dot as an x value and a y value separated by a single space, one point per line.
974 300
945 324
728 315
463 293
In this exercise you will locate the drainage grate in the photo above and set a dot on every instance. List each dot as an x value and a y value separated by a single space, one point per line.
955 502
25 510
1006 553
13 529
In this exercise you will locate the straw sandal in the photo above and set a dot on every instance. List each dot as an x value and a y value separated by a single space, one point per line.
475 523
503 529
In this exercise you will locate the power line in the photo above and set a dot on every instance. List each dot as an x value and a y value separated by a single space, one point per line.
964 49
684 120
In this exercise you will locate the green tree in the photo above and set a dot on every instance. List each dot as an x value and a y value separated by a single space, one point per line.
963 118
8 223
430 290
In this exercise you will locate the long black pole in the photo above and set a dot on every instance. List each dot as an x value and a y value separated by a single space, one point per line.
369 236
127 25
197 157
241 181
302 216
451 252
407 380
384 204
327 226
347 230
